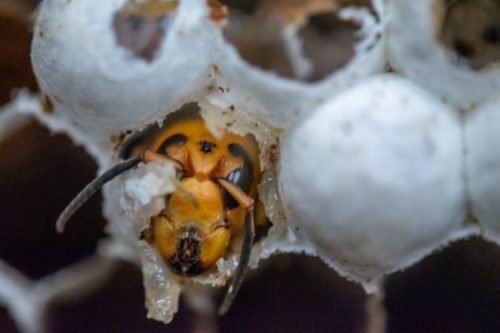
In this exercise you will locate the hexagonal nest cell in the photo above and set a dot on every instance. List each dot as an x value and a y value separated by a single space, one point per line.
141 26
304 40
471 29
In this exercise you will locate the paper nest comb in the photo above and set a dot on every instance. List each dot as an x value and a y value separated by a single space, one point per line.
363 168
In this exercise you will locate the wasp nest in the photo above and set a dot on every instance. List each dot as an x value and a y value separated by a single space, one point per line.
362 168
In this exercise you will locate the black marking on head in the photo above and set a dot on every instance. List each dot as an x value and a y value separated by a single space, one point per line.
241 177
175 140
146 137
207 146
186 260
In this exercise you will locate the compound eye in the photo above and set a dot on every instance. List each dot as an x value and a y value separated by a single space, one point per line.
175 140
241 177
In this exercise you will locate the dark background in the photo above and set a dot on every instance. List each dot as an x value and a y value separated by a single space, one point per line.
456 290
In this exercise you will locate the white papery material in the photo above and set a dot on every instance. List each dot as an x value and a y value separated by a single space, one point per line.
483 166
374 177
101 86
161 288
414 50
133 198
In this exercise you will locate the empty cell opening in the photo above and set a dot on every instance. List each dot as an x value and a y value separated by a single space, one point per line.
304 40
35 189
471 28
140 26
329 43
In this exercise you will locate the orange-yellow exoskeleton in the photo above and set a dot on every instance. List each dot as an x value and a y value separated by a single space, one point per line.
215 204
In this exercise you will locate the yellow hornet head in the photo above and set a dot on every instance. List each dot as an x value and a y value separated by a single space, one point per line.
191 234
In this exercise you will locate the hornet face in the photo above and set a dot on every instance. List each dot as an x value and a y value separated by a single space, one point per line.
214 201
